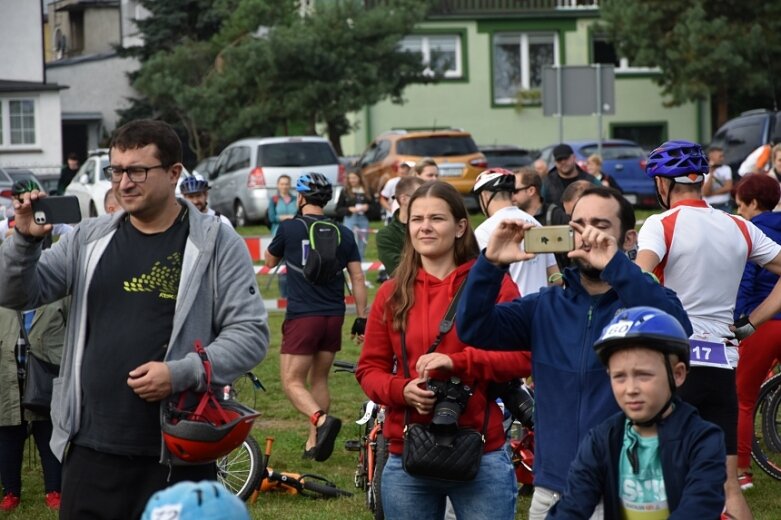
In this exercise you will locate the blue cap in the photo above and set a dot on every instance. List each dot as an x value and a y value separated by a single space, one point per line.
195 501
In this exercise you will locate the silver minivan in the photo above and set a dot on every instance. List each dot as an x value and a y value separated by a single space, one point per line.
245 176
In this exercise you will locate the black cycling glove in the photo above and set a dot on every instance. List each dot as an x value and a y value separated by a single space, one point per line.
359 327
743 328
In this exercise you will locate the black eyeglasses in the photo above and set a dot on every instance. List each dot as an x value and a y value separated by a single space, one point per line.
521 188
136 174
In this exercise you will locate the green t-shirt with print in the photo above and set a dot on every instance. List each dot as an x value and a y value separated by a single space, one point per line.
640 479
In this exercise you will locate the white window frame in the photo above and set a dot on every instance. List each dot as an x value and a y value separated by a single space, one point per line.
523 41
623 63
5 122
425 50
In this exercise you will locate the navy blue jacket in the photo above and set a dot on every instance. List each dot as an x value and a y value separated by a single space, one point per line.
757 282
559 326
693 464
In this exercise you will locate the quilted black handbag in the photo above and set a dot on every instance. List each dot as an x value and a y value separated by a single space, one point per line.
441 456
38 379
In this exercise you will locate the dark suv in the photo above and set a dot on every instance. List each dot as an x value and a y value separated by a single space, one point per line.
742 135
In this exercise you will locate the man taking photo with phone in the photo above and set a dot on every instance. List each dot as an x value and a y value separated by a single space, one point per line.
146 284
559 326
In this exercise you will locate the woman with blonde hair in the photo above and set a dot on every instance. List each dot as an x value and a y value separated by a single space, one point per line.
398 368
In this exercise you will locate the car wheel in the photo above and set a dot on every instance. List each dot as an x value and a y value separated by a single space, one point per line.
93 211
239 214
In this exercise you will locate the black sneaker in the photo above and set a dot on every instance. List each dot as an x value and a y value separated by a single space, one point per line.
326 436
309 454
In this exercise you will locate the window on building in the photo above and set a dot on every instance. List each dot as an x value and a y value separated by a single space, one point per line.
21 115
518 62
440 53
17 122
603 51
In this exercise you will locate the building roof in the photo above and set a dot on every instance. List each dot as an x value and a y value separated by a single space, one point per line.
28 86
82 5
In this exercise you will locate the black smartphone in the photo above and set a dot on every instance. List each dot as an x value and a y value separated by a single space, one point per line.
57 210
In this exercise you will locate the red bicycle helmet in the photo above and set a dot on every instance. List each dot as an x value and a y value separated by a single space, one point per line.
212 429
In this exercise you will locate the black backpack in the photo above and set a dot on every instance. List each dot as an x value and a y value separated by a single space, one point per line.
321 265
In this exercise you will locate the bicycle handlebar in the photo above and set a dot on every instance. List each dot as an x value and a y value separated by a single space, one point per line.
344 366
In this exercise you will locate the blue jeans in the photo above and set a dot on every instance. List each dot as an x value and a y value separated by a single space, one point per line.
491 495
359 225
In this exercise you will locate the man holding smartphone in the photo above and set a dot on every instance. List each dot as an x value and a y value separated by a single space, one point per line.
146 284
560 324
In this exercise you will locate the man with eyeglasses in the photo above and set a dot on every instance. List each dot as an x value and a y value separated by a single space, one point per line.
146 284
528 197
565 172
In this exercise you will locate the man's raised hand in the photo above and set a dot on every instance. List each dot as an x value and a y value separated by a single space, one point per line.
597 246
504 246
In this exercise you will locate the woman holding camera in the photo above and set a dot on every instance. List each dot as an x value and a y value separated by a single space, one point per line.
403 324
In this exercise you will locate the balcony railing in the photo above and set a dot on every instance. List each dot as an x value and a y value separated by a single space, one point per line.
485 7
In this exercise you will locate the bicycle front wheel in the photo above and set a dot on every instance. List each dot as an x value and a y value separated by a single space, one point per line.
241 470
766 445
375 489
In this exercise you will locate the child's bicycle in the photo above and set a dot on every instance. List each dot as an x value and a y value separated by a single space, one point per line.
766 445
245 471
371 448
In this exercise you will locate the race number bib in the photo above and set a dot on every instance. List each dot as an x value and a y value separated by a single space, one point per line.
708 353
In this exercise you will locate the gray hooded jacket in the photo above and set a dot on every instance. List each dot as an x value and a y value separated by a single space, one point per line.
218 303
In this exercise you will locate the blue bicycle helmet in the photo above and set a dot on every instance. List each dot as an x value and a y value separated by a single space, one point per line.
683 161
649 328
193 185
646 327
195 501
315 188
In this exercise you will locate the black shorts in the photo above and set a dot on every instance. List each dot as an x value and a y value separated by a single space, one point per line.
712 391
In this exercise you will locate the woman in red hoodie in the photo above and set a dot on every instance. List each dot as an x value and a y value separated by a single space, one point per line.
439 250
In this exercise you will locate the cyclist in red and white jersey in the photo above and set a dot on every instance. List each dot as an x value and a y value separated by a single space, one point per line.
700 253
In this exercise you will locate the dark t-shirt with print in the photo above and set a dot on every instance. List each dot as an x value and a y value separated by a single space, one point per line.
130 309
305 299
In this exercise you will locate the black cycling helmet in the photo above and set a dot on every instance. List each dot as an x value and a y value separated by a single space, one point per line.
650 328
683 162
24 186
315 188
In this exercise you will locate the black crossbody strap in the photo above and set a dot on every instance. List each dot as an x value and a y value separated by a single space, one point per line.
444 327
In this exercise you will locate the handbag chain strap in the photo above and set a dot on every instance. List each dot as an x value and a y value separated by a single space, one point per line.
444 327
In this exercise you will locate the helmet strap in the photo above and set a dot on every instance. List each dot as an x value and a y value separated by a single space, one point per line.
656 419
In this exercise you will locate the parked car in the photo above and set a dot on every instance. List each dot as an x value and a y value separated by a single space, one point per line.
621 159
456 154
90 184
742 135
506 156
47 181
6 183
245 177
205 167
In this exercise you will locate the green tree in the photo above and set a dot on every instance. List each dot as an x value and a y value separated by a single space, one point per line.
268 68
703 47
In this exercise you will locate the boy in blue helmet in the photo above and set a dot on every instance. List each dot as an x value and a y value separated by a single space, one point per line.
656 458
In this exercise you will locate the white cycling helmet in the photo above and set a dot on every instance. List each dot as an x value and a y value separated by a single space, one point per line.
495 180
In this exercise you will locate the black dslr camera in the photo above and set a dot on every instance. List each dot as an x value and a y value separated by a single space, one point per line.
517 400
452 396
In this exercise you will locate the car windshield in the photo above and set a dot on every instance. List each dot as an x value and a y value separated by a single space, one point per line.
21 175
615 152
295 154
443 146
4 178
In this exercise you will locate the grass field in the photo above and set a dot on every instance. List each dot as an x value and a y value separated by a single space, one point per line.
289 428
